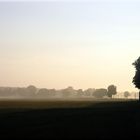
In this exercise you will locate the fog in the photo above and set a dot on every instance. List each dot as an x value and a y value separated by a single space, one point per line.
69 93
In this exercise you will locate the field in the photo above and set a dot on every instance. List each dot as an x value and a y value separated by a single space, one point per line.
81 119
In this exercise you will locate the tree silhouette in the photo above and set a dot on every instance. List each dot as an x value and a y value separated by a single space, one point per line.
136 78
111 90
100 93
43 92
31 90
126 94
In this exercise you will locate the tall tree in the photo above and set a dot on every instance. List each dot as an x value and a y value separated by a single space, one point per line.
136 78
112 90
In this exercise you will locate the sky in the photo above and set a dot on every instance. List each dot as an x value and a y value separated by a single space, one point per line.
56 44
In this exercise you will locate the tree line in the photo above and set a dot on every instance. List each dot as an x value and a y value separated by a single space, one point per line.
32 91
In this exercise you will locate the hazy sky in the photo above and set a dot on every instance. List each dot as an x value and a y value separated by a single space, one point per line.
60 44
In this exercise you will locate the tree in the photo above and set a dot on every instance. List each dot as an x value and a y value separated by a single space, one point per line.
136 78
5 91
52 92
100 93
79 92
111 90
31 90
68 91
126 94
20 92
89 91
43 92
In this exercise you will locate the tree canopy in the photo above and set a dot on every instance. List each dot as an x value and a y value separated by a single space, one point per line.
136 78
112 90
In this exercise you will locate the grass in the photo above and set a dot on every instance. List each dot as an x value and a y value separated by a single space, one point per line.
69 119
54 103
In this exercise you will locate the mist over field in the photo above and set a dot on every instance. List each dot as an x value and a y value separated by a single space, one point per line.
32 92
91 45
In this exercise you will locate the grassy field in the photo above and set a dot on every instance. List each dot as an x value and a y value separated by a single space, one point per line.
55 103
102 119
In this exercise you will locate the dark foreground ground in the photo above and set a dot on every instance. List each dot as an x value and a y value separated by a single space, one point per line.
103 120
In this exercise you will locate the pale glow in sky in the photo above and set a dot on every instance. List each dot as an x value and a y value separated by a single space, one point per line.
60 44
